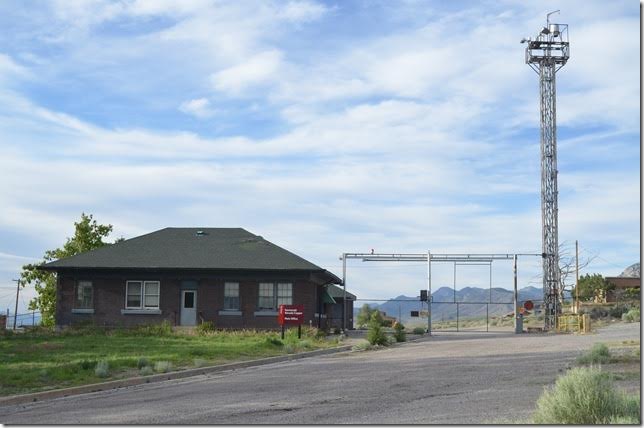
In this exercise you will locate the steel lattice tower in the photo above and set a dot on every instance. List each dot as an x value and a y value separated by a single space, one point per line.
546 55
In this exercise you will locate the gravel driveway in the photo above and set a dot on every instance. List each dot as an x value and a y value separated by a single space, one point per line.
449 378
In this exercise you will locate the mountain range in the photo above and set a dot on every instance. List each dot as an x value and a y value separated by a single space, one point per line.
472 303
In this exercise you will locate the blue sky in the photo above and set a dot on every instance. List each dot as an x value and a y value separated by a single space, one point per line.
323 126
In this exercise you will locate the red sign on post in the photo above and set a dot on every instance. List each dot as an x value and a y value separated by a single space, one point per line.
291 315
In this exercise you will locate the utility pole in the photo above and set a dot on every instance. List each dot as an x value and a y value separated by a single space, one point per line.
576 276
546 55
15 313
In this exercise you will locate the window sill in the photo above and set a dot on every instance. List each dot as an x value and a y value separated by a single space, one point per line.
266 313
82 311
140 311
230 313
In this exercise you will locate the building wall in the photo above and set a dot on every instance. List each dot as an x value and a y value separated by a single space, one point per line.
109 297
334 314
624 282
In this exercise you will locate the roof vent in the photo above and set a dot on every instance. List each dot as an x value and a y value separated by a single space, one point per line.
201 233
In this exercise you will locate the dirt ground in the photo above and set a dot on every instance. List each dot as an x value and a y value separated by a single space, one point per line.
449 378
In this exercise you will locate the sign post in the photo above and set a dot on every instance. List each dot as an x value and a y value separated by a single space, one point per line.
291 315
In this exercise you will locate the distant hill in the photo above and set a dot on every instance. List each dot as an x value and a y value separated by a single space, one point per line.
444 309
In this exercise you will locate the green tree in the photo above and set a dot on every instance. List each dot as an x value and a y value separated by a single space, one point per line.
364 315
88 235
589 283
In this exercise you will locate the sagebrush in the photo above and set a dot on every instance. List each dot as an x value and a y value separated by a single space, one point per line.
585 396
598 354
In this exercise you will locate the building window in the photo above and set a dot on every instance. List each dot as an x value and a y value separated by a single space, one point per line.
284 294
231 296
272 295
266 297
142 294
84 295
151 294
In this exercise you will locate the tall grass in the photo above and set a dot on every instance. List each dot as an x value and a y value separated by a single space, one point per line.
585 396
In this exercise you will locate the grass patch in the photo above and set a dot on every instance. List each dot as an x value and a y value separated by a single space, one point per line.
585 396
598 354
43 360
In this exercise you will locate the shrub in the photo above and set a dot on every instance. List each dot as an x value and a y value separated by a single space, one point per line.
87 364
198 362
361 346
205 327
142 362
146 371
275 341
162 366
584 396
290 349
102 369
617 311
597 313
632 315
399 332
305 344
375 334
598 354
418 330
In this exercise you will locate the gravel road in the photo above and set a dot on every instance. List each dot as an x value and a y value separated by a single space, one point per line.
458 378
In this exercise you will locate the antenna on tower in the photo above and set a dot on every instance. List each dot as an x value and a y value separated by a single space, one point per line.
546 54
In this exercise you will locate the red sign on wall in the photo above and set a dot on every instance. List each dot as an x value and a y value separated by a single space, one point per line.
290 315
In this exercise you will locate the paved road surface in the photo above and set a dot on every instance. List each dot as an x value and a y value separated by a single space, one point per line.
449 378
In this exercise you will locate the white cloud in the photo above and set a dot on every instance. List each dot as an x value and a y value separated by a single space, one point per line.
254 71
199 107
302 11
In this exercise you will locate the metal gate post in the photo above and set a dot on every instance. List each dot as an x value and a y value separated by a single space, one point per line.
429 293
344 298
457 316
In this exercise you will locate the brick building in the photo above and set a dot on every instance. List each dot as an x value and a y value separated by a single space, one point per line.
186 276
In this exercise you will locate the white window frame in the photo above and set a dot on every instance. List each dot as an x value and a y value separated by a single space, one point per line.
226 285
142 295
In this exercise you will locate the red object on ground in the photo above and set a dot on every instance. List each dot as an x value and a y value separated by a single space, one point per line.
528 304
290 315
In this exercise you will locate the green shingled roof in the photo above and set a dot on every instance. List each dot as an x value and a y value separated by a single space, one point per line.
338 292
190 248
